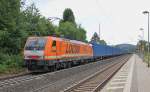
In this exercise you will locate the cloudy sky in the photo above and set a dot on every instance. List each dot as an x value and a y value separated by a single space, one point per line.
120 19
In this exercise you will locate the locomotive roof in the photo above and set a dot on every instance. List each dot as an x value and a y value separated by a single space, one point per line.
60 39
72 41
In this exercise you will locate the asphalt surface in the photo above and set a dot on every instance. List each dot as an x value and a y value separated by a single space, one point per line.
141 76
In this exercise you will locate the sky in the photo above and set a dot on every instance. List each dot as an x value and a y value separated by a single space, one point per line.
120 20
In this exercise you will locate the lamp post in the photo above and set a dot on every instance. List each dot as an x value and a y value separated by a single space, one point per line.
147 12
142 43
142 30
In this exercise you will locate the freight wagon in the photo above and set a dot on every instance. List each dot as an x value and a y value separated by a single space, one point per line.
104 51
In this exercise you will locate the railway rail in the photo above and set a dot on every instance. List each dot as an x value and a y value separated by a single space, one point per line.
14 76
119 61
96 81
8 84
20 78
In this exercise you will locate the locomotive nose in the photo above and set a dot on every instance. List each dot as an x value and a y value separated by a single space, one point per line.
34 48
38 55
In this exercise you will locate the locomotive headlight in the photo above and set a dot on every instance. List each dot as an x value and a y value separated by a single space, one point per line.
25 57
36 57
42 57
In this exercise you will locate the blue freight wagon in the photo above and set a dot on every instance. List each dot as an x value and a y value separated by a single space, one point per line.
102 51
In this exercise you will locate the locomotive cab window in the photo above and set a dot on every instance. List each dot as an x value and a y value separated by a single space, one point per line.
35 43
54 46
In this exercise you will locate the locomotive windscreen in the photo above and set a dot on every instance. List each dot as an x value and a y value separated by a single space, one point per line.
35 43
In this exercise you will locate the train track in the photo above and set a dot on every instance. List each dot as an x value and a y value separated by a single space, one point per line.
21 80
14 76
96 81
18 80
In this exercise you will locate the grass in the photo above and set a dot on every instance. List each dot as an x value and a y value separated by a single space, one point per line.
10 64
146 57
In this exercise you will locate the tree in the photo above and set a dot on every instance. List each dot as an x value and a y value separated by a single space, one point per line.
9 21
102 42
81 34
31 19
45 28
18 23
68 16
36 24
96 38
142 45
15 26
68 30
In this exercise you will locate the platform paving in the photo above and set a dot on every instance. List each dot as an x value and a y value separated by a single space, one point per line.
141 77
134 76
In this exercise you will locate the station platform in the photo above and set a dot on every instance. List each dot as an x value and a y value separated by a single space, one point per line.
134 76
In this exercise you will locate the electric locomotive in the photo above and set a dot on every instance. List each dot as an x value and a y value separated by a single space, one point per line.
48 53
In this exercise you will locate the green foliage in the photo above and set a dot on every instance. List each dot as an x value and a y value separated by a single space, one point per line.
68 27
142 45
96 38
15 27
102 42
146 55
81 34
37 24
10 33
70 31
10 63
68 16
16 24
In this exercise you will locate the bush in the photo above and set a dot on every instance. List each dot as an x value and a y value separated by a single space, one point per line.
10 63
